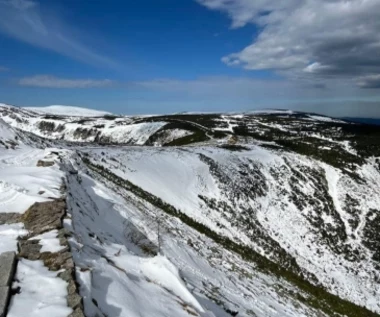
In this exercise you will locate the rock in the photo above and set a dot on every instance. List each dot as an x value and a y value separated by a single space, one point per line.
77 313
7 268
4 300
42 163
66 275
64 233
74 301
72 288
29 249
57 261
8 218
63 242
44 216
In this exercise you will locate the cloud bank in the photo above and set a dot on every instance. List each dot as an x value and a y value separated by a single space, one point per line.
314 38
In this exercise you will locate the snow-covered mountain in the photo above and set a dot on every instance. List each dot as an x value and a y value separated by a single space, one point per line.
68 111
106 128
218 215
8 136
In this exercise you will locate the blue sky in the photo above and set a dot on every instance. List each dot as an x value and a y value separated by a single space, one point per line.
152 56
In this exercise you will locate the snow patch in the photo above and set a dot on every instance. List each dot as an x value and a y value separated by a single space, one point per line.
8 236
43 294
49 241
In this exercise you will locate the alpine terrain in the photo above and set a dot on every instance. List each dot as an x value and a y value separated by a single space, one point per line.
267 213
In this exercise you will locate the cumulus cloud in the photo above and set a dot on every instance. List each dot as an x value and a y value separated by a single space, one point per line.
28 21
47 81
316 38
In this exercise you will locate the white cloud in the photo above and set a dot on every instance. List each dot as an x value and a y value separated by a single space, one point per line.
28 21
47 81
319 38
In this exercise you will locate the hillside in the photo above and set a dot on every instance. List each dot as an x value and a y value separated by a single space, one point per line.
255 214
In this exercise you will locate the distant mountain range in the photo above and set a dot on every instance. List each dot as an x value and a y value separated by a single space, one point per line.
363 120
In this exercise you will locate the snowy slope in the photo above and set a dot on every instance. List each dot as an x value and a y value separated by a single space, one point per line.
192 276
270 214
8 136
75 125
68 111
221 189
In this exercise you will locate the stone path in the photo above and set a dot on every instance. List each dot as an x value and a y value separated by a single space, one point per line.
8 264
40 218
43 217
